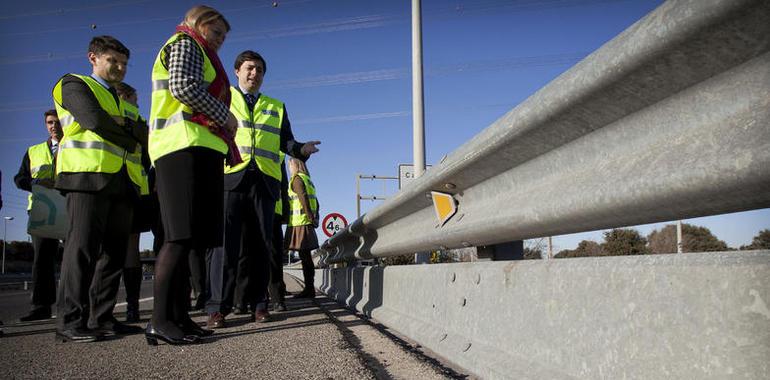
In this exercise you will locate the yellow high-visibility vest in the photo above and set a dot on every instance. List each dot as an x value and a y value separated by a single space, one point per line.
259 133
83 151
298 217
40 165
170 126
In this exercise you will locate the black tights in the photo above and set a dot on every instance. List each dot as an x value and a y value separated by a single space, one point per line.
171 290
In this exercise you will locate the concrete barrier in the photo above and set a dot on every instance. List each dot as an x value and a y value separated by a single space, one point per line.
685 316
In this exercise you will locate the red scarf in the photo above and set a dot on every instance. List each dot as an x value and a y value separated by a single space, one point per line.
220 89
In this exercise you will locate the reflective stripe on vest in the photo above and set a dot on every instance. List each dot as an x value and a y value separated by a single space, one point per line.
173 119
83 151
259 133
170 126
297 216
40 165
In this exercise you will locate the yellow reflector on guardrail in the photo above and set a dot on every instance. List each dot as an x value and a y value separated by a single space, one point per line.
445 206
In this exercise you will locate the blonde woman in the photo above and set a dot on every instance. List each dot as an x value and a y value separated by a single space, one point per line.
191 131
303 220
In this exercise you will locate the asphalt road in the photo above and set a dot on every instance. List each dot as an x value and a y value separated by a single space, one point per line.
315 339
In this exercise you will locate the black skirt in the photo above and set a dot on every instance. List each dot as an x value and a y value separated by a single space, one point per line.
190 190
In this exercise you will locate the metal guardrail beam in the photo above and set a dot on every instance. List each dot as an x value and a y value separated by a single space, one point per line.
670 119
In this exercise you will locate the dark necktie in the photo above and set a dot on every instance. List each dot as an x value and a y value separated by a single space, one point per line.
114 94
250 100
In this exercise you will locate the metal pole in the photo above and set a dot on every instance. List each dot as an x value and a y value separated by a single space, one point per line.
358 196
679 236
418 119
550 247
5 236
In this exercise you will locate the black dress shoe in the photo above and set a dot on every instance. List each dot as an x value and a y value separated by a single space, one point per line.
189 327
200 304
153 335
37 315
279 307
113 327
132 316
77 335
307 293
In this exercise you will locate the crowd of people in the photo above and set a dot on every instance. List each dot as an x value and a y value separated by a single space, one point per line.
205 172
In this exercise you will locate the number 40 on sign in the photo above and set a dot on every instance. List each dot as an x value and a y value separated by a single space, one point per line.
333 223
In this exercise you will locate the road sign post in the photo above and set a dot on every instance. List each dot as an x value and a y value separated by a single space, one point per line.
333 223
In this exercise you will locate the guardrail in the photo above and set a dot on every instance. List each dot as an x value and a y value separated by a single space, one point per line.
669 120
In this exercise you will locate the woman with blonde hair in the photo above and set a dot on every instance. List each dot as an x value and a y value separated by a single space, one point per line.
303 220
191 132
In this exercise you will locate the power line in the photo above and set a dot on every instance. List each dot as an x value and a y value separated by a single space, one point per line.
386 115
384 75
391 74
18 140
175 17
345 24
73 9
355 117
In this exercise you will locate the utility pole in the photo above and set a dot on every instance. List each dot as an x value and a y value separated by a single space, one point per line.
418 118
5 237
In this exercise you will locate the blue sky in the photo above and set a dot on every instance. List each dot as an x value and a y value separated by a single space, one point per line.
343 68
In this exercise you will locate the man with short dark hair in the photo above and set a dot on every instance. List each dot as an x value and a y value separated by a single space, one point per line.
251 191
38 168
99 169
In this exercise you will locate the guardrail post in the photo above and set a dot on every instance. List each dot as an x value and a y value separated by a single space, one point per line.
512 250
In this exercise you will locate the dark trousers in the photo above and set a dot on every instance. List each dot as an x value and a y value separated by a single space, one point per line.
94 253
277 288
248 230
308 268
132 273
43 273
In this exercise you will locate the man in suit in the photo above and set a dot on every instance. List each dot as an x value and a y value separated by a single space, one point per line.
37 168
251 191
99 169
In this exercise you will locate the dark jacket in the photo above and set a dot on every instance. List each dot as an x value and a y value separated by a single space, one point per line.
272 187
80 101
23 178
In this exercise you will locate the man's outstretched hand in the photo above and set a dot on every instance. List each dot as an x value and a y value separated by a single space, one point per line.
309 148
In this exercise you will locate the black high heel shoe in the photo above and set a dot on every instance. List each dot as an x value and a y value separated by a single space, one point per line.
153 335
189 327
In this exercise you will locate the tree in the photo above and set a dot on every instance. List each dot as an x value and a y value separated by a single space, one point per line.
585 248
533 253
397 260
534 248
20 250
441 256
624 241
694 239
761 241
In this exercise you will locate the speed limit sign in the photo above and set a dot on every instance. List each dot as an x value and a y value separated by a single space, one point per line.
333 223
